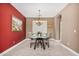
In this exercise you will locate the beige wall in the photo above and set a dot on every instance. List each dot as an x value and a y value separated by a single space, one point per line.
70 26
51 27
28 26
57 27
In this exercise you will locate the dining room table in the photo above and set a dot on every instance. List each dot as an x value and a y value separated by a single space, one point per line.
39 40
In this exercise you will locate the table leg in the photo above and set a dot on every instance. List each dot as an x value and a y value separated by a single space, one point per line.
48 44
35 44
43 44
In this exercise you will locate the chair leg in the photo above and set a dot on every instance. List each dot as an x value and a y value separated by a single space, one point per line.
30 45
43 44
35 44
38 43
48 44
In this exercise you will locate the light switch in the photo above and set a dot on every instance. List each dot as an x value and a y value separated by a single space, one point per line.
13 42
74 30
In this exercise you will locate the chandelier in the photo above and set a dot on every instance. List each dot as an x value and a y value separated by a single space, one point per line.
38 21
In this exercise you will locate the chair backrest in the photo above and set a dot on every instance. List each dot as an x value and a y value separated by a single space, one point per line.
29 34
39 34
44 35
34 35
49 35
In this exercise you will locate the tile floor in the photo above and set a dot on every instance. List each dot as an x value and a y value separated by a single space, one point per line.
24 49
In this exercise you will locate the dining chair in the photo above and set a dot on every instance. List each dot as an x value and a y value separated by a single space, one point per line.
46 38
39 41
32 36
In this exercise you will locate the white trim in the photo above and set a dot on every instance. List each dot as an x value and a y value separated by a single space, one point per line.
28 38
12 47
51 39
0 55
58 41
6 51
69 49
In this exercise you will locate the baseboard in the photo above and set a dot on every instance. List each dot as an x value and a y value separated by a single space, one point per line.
69 49
51 39
0 54
58 41
28 39
12 47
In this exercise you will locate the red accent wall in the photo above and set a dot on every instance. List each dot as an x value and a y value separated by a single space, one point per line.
7 37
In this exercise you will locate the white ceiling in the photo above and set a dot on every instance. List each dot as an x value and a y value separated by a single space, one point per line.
47 9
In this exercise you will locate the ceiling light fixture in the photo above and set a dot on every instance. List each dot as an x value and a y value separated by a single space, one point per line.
39 17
